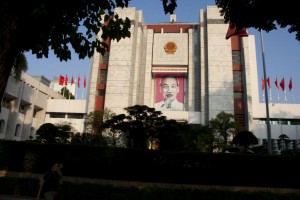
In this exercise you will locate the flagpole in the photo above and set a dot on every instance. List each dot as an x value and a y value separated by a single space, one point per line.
266 96
263 88
277 95
285 100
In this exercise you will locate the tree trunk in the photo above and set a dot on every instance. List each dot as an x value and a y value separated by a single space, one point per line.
8 51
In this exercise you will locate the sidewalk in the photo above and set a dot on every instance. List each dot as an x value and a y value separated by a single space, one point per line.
137 184
7 197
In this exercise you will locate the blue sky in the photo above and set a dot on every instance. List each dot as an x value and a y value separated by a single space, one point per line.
281 49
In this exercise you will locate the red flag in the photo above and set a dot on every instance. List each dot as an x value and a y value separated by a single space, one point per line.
66 80
268 81
282 84
61 80
276 83
232 31
84 82
72 80
290 84
78 81
262 84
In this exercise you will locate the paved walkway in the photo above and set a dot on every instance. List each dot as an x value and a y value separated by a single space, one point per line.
145 184
6 197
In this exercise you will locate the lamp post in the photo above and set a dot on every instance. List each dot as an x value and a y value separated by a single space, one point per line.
266 96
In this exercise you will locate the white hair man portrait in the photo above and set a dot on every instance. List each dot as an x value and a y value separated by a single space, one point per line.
169 87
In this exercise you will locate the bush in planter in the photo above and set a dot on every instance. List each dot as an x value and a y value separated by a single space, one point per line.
29 161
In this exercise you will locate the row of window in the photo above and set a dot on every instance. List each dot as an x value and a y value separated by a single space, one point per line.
279 121
67 115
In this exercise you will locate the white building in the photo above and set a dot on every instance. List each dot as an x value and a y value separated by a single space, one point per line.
29 103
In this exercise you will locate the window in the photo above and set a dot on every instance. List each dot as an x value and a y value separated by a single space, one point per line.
6 103
238 95
2 126
101 92
32 132
75 115
18 130
279 121
23 108
237 77
57 115
103 76
236 57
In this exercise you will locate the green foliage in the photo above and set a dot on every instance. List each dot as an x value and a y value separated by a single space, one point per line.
20 66
29 161
169 6
245 138
139 126
223 125
73 27
49 133
66 93
204 138
264 15
65 127
88 139
94 122
161 166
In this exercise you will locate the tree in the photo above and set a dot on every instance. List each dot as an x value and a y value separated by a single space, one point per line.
258 14
37 26
223 125
244 140
19 66
204 139
139 125
171 134
94 122
66 93
93 125
49 133
112 137
87 139
261 14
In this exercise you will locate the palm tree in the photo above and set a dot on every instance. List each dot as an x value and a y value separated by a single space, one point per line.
20 65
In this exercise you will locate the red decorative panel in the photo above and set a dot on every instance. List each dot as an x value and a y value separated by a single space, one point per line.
238 106
103 66
236 67
99 104
238 88
235 43
100 86
173 28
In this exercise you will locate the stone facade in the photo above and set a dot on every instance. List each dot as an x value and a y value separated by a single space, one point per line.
216 74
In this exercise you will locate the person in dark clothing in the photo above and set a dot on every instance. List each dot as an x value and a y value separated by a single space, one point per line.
50 183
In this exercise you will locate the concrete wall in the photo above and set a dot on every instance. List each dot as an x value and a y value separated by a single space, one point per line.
26 103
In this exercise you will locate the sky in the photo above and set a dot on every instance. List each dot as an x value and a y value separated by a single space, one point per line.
281 51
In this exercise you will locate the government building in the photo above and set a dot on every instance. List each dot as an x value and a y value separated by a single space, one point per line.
212 74
189 71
